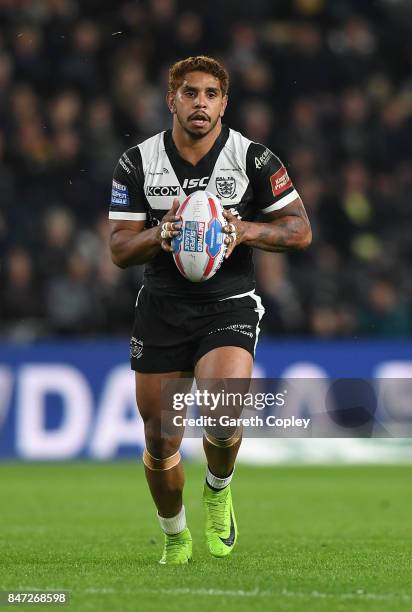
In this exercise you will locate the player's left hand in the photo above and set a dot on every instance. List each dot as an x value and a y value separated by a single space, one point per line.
235 232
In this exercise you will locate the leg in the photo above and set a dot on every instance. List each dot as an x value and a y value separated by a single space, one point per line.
164 476
221 529
221 459
164 469
223 362
160 351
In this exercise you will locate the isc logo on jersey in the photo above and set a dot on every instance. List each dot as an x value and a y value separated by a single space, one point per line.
196 182
200 249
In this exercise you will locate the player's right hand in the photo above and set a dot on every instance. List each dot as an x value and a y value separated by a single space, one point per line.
169 227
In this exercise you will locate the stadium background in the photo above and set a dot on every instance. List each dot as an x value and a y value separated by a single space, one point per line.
326 85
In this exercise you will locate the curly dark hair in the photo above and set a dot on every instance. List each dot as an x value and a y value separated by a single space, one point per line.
203 63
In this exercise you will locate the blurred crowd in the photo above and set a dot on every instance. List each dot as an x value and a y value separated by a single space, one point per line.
325 84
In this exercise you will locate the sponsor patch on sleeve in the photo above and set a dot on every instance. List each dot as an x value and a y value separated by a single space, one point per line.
280 181
120 194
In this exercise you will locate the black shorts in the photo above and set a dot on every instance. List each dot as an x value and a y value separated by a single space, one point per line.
171 335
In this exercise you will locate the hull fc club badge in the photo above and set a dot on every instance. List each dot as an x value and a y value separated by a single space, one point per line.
136 348
226 187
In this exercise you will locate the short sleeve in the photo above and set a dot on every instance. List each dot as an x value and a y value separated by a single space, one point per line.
272 188
127 201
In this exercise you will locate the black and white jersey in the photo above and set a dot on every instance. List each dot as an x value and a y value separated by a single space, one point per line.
244 175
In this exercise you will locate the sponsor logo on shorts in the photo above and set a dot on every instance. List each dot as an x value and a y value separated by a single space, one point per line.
240 328
136 348
120 194
194 235
226 187
163 190
280 181
263 159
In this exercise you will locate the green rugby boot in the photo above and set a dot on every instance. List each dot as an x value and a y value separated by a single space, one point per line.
177 549
221 527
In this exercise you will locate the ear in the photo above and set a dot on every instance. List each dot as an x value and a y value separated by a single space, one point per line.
170 101
224 104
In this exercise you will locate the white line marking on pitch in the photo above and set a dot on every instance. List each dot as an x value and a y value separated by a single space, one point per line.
360 595
356 595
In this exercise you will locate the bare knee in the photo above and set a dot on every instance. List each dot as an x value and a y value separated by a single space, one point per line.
158 443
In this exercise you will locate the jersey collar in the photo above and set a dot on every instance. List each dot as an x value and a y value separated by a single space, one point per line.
210 156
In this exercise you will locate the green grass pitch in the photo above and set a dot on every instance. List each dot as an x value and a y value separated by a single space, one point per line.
311 538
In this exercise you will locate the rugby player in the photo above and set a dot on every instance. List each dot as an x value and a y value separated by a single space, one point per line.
182 329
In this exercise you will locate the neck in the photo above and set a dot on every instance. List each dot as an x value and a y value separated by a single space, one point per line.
193 149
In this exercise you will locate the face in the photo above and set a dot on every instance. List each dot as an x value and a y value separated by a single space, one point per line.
198 104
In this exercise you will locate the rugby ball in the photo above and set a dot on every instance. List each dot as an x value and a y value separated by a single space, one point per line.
200 248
